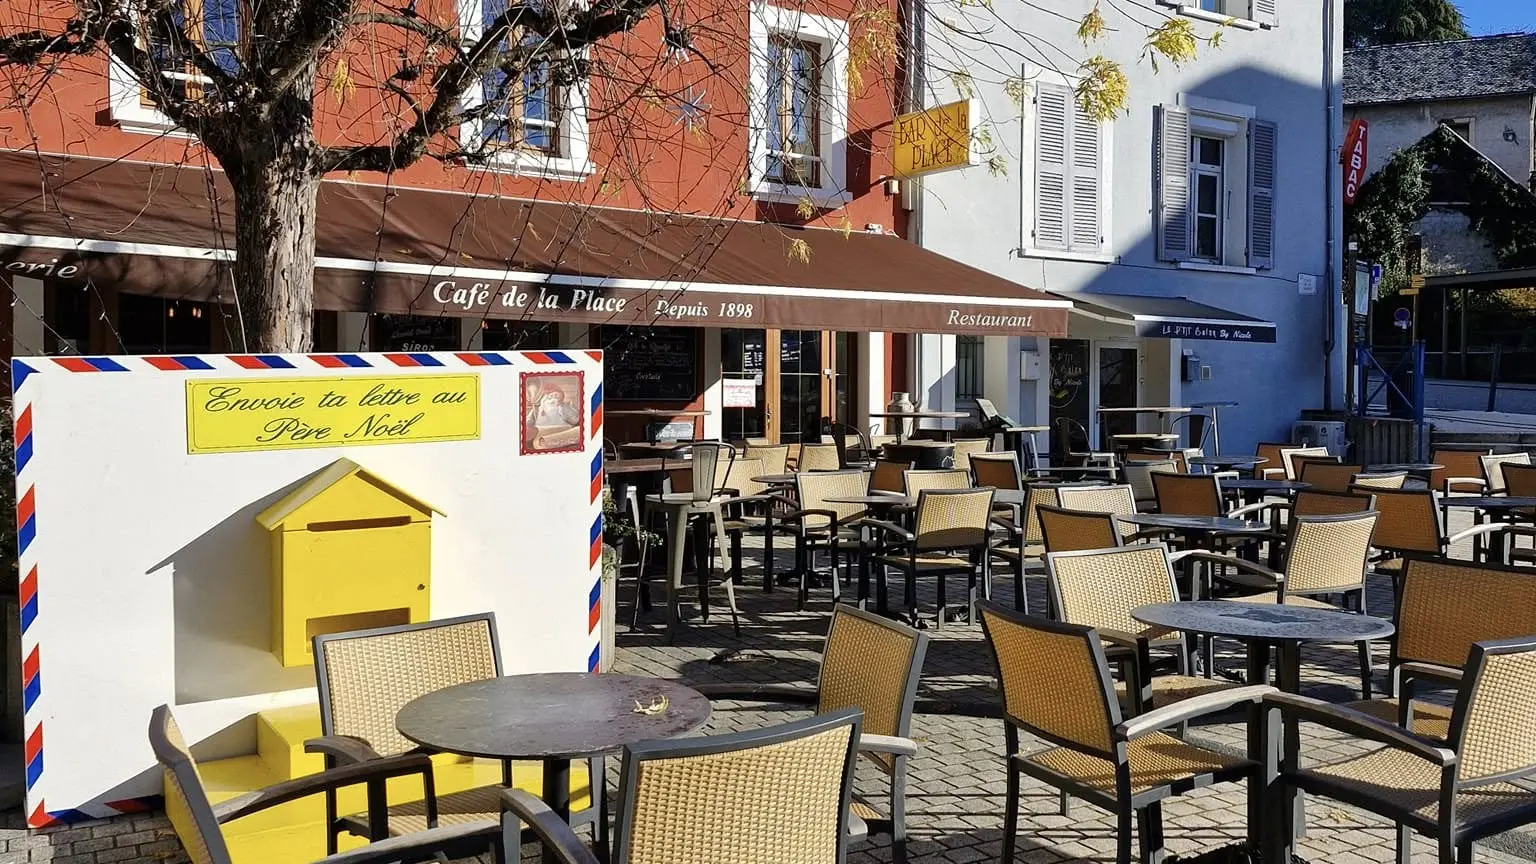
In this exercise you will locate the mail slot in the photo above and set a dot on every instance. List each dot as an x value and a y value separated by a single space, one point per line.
349 551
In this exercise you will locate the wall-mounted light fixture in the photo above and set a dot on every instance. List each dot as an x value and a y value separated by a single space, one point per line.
1510 136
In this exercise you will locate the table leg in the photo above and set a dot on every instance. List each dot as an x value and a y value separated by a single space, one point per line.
768 548
701 564
677 537
557 794
1288 680
863 566
1258 742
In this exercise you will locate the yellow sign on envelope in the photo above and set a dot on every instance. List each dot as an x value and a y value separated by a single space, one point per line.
937 139
227 416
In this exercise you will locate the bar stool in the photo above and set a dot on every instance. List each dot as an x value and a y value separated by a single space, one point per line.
1214 408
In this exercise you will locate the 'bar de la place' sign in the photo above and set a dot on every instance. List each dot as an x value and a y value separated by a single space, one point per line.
938 139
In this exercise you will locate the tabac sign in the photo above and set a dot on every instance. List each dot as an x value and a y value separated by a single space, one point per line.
937 139
1356 148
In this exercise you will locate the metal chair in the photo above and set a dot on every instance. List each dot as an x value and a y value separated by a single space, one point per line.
1288 458
1023 540
1493 470
890 476
822 524
950 535
1138 475
1457 792
743 509
198 823
1056 686
776 794
1077 530
998 470
965 448
873 664
364 678
697 491
1188 494
1459 471
1327 475
1412 525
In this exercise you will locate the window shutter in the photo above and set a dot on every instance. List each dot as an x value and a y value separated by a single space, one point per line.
1053 111
1261 195
1170 165
1087 159
1265 12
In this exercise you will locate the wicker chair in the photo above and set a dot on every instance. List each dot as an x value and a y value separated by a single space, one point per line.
818 457
883 690
1519 480
1313 503
1459 471
822 524
779 794
775 457
1442 609
998 470
1118 500
1388 480
1274 467
1412 525
1138 475
365 677
965 448
1056 686
920 480
1099 589
1077 530
951 534
1188 494
1288 458
890 476
1327 475
1458 792
1493 470
744 510
1024 541
198 823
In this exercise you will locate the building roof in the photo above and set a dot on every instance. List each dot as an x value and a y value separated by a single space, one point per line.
1501 65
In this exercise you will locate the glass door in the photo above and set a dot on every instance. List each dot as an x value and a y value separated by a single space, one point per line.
743 379
800 386
1119 387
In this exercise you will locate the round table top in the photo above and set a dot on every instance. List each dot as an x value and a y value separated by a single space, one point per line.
1146 410
875 500
1490 502
1264 622
1234 461
1405 466
1146 436
1217 404
922 415
654 412
919 442
1255 484
775 479
558 715
654 447
1208 524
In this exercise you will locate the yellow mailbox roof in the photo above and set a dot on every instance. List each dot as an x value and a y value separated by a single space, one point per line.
274 516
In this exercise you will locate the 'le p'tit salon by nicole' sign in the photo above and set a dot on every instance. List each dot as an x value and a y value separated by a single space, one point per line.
1207 331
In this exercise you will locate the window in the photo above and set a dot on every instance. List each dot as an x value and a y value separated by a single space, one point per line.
1214 173
210 27
1461 126
1067 206
534 125
798 97
1243 14
968 377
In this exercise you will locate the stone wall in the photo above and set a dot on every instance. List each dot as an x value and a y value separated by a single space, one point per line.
142 837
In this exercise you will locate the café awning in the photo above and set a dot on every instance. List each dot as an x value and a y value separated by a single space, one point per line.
168 231
1172 318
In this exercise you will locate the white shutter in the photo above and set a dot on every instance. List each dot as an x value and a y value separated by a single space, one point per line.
1170 167
1265 12
1087 159
1262 138
1053 111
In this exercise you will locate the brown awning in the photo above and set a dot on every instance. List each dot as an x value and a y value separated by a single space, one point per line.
168 231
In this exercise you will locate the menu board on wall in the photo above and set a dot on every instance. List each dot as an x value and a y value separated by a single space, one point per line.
1069 381
652 364
416 333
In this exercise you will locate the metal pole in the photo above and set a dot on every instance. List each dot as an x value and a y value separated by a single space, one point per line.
1445 332
1493 375
1418 383
1347 298
1462 315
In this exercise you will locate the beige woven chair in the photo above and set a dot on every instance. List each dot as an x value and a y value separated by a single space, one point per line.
1288 459
1327 475
890 476
770 795
920 480
1443 608
1411 526
823 524
998 470
1023 541
817 457
1493 470
873 664
743 509
1188 494
1099 589
965 448
1056 687
1459 471
1138 475
951 535
365 677
198 823
1456 793
775 457
1274 467
1119 500
1387 480
1077 530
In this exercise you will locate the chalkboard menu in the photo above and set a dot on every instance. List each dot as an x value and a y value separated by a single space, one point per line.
416 333
650 363
1069 380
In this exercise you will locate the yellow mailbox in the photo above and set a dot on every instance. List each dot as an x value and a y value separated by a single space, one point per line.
349 551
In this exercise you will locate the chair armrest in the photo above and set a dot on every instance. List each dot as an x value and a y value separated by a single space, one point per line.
1271 473
1440 674
470 839
345 749
742 499
799 515
1260 507
758 693
554 833
1458 481
331 779
1478 531
1120 637
1342 719
1189 709
893 744
1273 578
891 528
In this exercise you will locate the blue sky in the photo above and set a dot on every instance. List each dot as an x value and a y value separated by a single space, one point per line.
1498 16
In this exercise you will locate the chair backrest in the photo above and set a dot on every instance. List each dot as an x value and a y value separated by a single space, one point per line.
1064 530
775 457
965 448
1038 496
775 794
740 475
1269 451
1456 463
1490 725
1444 606
186 800
1118 500
1519 480
1100 588
815 487
1313 503
935 478
1288 458
1388 480
953 518
818 457
1328 554
998 470
1410 521
1138 475
871 663
1054 678
711 465
1188 494
1327 475
1493 469
366 676
890 476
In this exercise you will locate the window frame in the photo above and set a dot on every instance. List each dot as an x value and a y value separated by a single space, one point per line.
1233 124
129 105
1193 9
570 156
785 43
1199 169
831 36
1027 248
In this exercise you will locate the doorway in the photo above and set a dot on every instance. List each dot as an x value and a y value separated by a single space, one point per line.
1119 380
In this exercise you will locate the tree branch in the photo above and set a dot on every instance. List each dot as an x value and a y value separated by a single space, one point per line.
30 47
319 25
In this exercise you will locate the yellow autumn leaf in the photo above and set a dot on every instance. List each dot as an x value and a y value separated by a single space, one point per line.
799 250
804 208
342 85
1092 27
1103 90
1173 40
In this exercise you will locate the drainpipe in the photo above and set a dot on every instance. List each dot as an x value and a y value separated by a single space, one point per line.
912 189
1330 168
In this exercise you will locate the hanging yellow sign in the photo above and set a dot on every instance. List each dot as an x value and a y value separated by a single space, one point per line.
937 139
233 415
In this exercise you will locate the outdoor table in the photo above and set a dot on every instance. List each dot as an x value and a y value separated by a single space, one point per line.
652 449
1197 530
1254 489
904 416
552 717
620 467
881 505
775 479
1504 508
924 455
1228 462
1418 469
1263 627
1162 412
